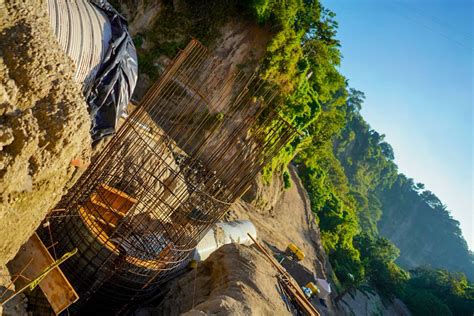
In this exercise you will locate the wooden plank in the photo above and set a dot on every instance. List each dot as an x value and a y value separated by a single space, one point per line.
105 213
96 200
106 188
97 230
55 286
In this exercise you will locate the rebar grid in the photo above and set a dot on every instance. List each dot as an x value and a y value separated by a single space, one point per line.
189 150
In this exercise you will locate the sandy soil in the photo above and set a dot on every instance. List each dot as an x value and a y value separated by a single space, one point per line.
44 122
238 280
289 220
235 280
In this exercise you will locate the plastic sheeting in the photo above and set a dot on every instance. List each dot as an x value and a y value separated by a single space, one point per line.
96 38
116 77
222 234
324 288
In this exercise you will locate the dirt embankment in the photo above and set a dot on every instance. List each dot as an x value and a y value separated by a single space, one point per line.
238 42
238 280
235 280
289 219
44 122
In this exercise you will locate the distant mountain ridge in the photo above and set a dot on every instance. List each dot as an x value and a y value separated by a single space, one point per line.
423 229
392 205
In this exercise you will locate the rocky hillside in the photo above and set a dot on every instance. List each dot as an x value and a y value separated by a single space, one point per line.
350 196
390 203
161 28
238 280
423 229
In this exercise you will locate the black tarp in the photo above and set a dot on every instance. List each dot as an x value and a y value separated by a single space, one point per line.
115 80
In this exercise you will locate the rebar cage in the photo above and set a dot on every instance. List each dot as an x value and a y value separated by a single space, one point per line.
187 152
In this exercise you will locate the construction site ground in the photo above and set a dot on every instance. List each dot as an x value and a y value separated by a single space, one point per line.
238 279
290 220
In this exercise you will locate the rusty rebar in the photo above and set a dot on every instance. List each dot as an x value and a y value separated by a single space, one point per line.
185 154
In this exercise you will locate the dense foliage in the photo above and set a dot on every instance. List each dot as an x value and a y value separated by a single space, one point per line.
349 172
439 292
435 237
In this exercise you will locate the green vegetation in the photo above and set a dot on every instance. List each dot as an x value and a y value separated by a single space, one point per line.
348 170
286 180
378 255
435 237
174 28
439 292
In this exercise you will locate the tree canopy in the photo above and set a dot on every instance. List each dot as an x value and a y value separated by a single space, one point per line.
362 203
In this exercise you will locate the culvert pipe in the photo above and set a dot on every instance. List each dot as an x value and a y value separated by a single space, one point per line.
84 33
96 38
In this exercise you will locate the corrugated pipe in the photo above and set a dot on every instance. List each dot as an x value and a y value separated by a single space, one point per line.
84 32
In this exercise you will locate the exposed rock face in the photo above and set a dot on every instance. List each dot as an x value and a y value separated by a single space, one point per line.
289 220
265 196
140 13
238 280
365 303
240 43
425 237
44 122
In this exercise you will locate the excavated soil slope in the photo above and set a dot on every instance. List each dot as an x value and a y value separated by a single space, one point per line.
44 122
238 280
235 280
289 220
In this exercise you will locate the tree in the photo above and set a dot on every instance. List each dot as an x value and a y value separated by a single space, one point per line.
432 291
378 255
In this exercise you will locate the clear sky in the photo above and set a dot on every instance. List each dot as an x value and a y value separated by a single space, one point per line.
414 62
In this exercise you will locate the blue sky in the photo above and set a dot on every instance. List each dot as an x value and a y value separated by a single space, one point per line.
414 62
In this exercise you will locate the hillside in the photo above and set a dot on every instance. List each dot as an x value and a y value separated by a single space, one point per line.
238 280
421 226
409 215
403 238
345 166
386 244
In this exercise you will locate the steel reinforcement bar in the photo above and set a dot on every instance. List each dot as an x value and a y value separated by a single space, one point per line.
188 151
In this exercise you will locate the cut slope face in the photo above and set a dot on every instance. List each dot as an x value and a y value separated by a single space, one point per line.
289 220
238 280
44 122
234 280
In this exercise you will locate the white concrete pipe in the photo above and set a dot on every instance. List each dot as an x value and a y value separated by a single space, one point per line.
84 33
225 233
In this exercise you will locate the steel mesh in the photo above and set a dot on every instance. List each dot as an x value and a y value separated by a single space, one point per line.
189 150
